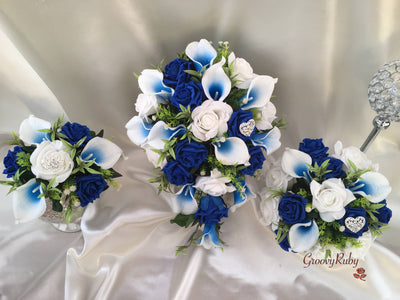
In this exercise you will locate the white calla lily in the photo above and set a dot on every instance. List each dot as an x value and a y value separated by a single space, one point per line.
201 53
240 197
294 163
184 201
232 150
27 205
372 185
270 140
151 83
138 130
216 83
104 152
209 238
161 131
303 236
28 130
259 93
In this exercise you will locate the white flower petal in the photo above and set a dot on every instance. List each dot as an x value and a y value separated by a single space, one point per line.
372 185
154 157
138 130
161 131
28 130
151 83
209 238
104 152
232 151
294 163
201 53
259 92
184 201
267 115
303 236
216 83
26 204
269 140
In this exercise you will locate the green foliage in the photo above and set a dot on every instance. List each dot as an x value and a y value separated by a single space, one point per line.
330 234
354 174
54 131
163 181
183 56
223 51
231 172
168 114
23 160
283 231
192 240
16 140
234 99
281 123
184 220
317 172
159 67
276 193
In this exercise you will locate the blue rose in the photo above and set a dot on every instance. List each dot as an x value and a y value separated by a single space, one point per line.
10 162
75 132
241 117
89 188
315 148
186 94
211 210
284 244
174 72
190 154
292 208
335 166
354 213
384 214
256 161
177 173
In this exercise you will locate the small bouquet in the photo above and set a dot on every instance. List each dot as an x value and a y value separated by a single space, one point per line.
66 164
326 204
205 121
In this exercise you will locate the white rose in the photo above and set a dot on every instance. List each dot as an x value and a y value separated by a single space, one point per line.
355 155
275 177
330 198
214 185
148 104
210 119
269 210
49 160
265 116
242 71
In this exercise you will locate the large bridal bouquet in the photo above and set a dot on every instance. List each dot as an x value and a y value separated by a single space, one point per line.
62 165
325 204
205 121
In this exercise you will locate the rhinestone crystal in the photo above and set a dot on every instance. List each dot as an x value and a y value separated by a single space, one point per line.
384 91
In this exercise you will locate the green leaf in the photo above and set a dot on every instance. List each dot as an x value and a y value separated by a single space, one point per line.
183 220
57 206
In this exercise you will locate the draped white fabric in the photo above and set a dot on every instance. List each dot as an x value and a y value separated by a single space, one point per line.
77 58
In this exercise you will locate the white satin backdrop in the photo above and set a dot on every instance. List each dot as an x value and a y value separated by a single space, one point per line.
77 58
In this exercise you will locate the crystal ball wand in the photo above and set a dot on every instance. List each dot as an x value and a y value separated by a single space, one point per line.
384 97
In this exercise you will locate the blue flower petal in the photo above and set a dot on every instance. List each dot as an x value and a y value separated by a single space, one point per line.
373 185
161 131
209 238
269 140
216 83
138 130
259 92
201 53
28 130
231 151
104 152
26 202
185 202
294 163
303 236
241 197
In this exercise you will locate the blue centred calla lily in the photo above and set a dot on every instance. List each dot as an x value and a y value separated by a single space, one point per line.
138 130
201 53
240 197
29 130
27 204
104 152
209 239
184 201
303 236
216 83
270 140
295 163
151 83
231 151
259 92
373 185
161 131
